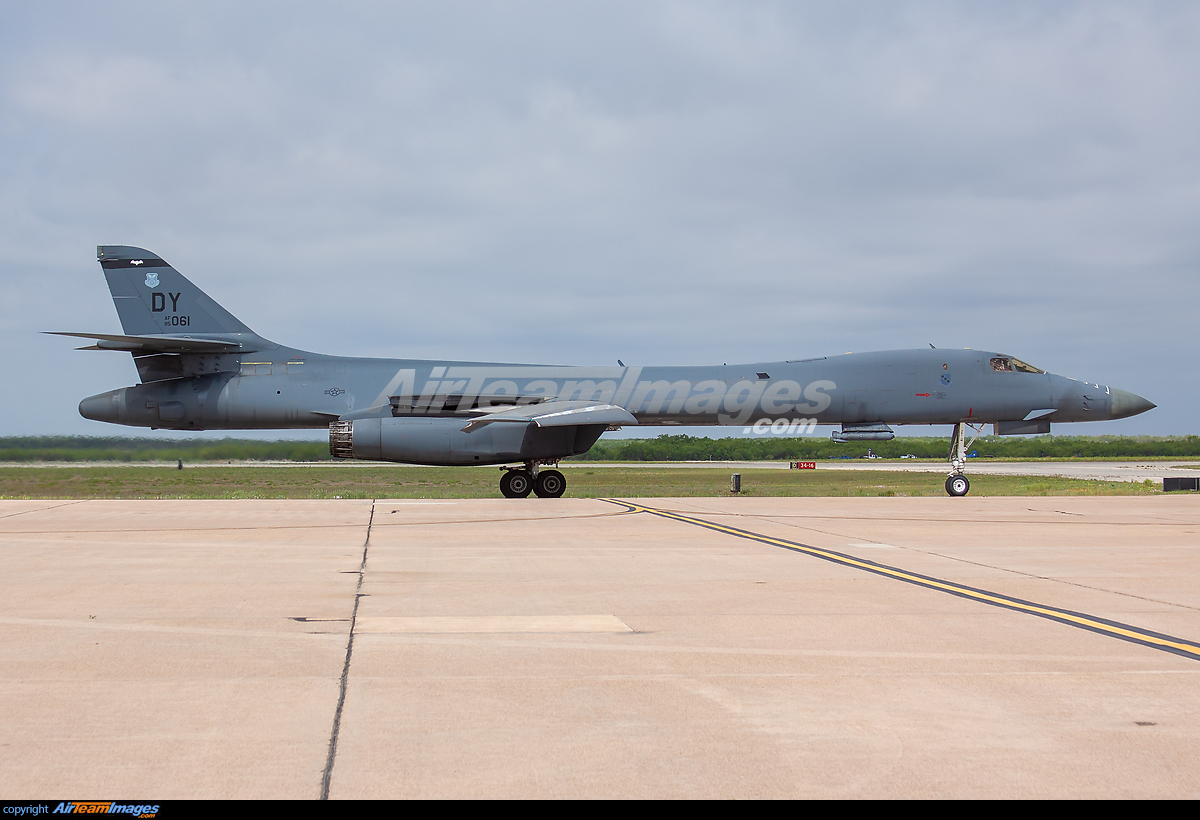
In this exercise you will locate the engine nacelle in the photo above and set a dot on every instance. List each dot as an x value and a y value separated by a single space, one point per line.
442 442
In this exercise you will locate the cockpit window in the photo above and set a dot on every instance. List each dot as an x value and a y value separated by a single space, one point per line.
1007 364
1021 367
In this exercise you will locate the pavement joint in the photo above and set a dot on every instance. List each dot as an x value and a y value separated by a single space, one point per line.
327 775
43 509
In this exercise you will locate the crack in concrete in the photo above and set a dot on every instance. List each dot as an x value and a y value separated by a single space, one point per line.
327 775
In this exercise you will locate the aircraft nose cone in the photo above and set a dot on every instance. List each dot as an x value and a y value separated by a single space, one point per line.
1125 404
103 407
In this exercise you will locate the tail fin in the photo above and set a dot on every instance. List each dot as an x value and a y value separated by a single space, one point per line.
153 298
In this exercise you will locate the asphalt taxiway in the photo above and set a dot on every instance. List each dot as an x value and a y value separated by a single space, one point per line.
727 647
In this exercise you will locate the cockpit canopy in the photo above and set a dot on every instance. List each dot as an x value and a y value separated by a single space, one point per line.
1008 364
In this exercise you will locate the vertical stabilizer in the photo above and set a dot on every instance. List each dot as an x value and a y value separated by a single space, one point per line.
153 298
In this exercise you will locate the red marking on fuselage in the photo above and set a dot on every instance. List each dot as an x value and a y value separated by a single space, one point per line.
926 395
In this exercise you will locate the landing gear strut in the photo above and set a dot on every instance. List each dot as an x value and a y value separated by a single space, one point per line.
957 484
519 482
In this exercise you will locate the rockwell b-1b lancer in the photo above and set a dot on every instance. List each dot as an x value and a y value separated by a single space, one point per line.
200 368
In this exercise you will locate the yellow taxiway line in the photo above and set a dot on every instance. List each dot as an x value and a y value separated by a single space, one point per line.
1115 629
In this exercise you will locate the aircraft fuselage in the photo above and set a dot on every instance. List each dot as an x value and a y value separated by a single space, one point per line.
288 389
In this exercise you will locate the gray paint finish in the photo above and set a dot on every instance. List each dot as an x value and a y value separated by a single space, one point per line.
203 369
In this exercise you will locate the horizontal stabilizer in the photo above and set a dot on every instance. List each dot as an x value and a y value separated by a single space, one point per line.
557 414
155 343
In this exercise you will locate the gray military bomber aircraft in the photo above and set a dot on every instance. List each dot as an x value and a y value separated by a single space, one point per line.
202 369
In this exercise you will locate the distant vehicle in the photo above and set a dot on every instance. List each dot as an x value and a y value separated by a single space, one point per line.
201 368
972 454
910 455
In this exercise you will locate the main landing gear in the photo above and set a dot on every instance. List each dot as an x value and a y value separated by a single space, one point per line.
957 484
519 482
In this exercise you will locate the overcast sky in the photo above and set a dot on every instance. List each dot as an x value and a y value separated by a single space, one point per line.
667 183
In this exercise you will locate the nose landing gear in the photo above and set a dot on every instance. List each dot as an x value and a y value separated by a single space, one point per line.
957 484
519 482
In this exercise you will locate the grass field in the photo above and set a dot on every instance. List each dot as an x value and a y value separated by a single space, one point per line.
395 481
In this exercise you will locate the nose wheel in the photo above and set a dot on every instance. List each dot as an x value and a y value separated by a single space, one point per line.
957 485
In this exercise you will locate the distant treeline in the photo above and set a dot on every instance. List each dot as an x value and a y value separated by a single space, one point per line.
812 448
662 448
80 448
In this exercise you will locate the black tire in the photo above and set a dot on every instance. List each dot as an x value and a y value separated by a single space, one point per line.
550 484
516 484
957 485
